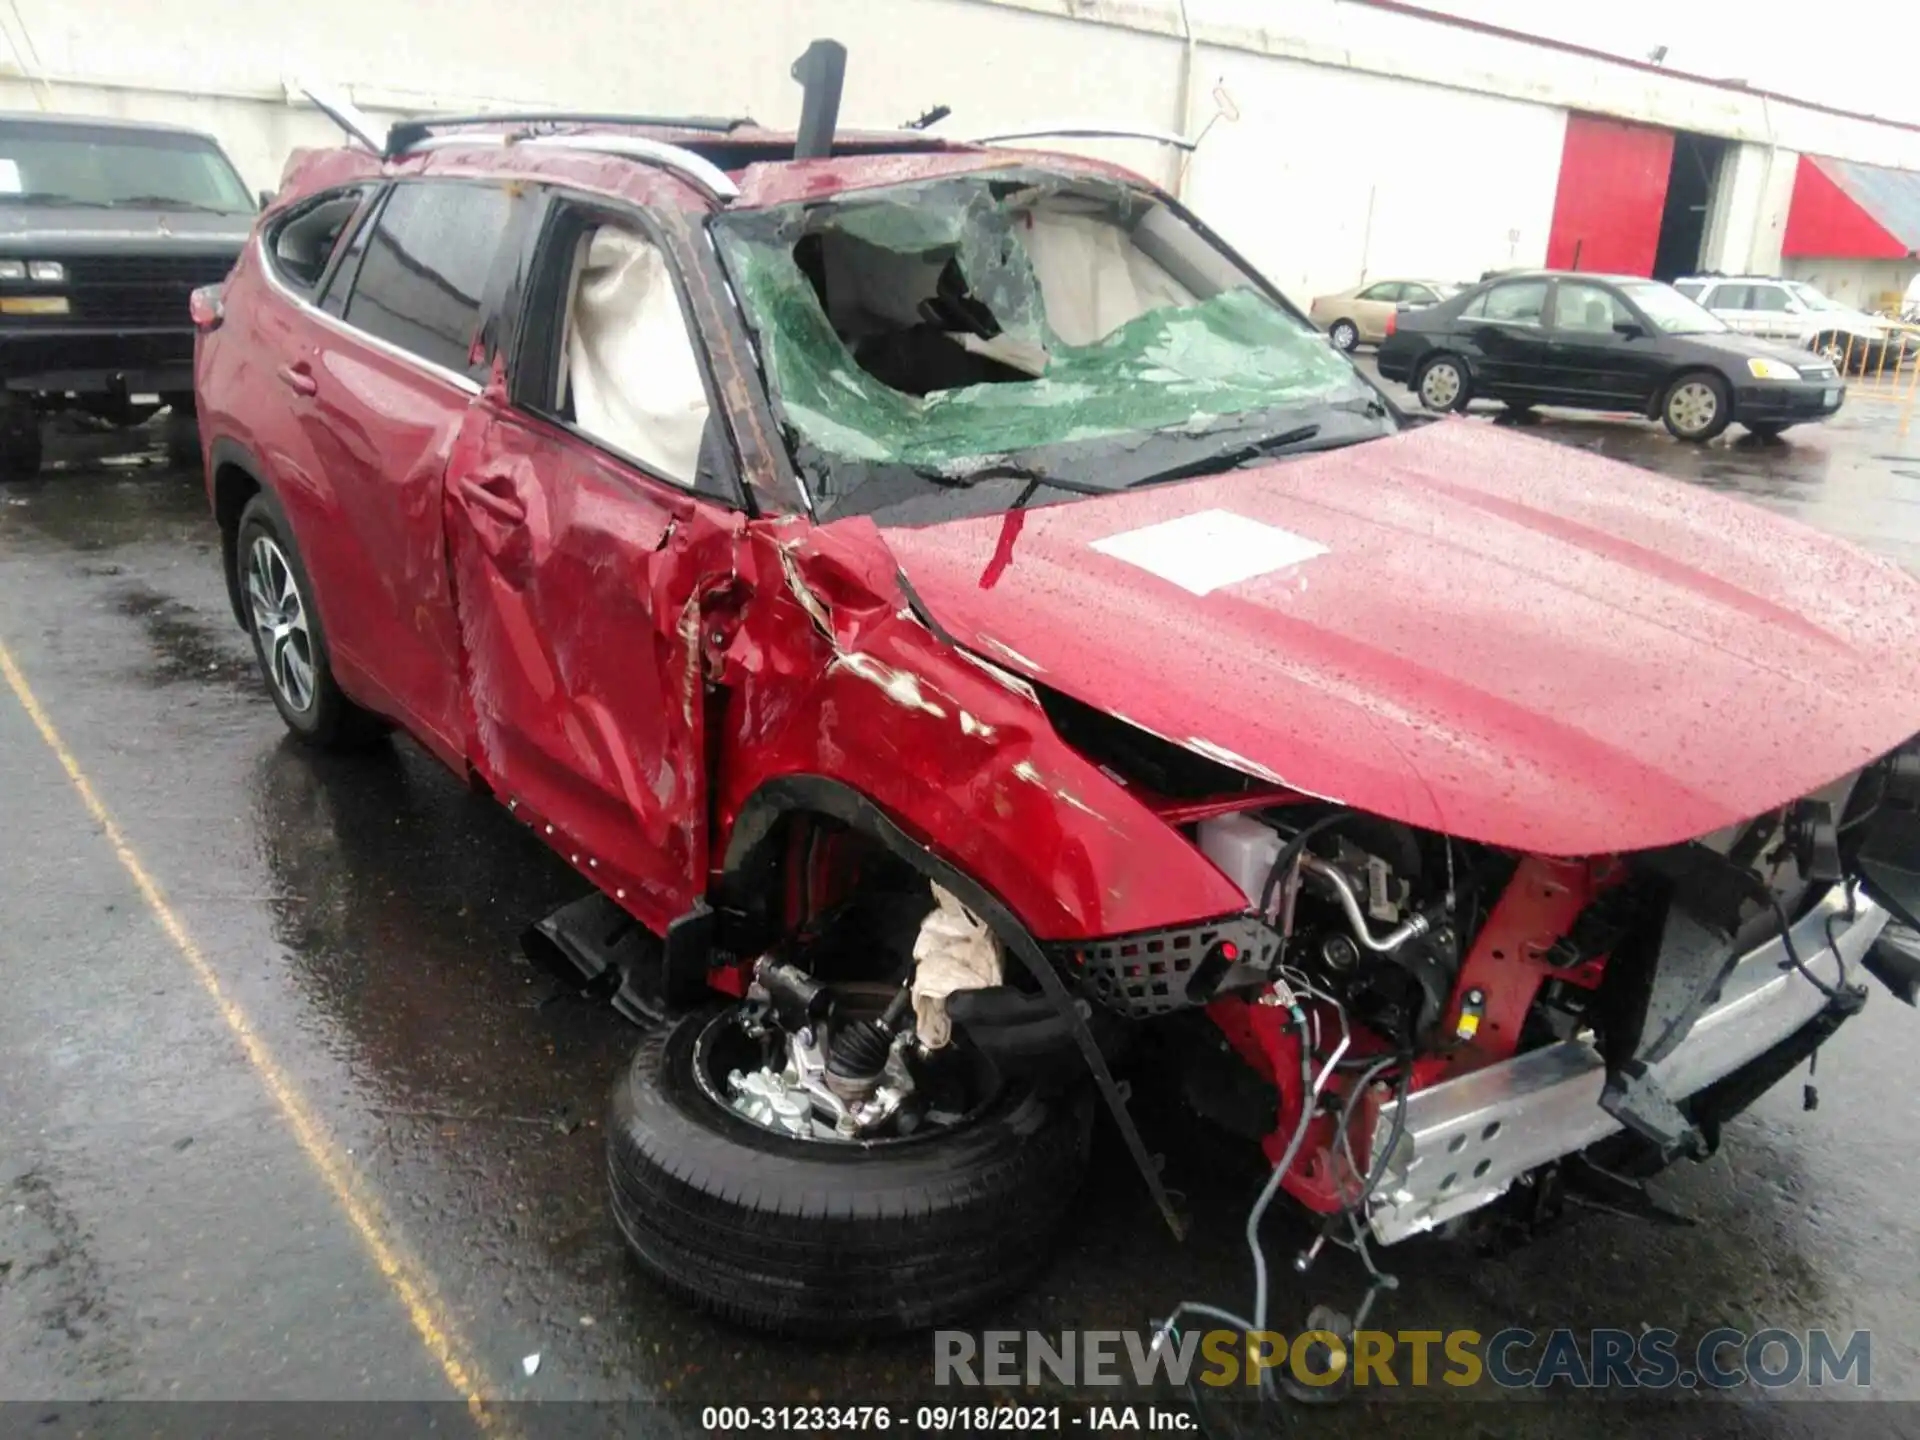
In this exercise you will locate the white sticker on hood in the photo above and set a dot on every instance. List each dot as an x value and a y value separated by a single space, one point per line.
1210 548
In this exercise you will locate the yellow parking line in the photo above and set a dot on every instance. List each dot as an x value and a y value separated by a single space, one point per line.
409 1282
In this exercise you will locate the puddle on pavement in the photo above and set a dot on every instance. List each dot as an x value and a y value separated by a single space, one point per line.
185 647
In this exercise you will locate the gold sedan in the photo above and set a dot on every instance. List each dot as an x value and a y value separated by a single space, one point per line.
1359 316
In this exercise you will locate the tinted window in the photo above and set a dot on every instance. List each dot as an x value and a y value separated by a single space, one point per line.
1767 297
1729 297
1417 295
339 282
1386 290
303 243
1671 312
1583 308
1689 288
1519 301
425 270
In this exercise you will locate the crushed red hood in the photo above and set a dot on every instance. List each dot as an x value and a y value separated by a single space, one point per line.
1481 633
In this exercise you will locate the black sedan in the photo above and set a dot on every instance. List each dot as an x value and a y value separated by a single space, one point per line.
1605 342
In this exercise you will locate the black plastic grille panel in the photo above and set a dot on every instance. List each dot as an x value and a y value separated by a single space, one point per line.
1152 972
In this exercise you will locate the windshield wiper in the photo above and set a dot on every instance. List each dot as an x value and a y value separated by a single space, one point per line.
1009 470
167 202
50 197
1230 457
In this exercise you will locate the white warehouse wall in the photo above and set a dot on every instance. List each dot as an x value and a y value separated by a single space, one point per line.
997 67
1341 101
1292 183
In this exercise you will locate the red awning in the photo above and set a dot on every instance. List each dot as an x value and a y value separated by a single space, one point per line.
1843 210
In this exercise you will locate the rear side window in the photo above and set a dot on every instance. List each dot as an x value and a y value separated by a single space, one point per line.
1689 288
425 268
1387 290
1728 297
1768 297
1519 302
302 244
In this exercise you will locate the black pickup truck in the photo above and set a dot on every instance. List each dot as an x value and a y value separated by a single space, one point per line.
106 226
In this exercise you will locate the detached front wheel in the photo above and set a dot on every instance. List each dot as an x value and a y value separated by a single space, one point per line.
742 1203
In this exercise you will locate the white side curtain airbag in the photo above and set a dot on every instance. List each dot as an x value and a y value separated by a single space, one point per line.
631 369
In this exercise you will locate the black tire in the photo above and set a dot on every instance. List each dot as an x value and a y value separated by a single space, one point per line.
327 720
788 1235
1696 406
1768 431
1841 351
1460 391
1345 335
20 449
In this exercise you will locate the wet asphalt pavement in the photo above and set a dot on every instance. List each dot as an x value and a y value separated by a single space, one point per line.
300 1123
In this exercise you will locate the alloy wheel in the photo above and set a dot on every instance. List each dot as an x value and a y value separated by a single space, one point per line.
280 622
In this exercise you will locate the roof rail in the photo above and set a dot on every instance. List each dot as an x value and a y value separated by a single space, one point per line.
405 134
689 166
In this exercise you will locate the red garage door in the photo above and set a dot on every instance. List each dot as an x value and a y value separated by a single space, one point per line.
1613 186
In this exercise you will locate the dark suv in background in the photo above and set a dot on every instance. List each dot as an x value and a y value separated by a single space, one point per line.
106 226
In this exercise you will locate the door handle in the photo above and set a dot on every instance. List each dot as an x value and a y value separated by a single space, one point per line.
299 379
494 498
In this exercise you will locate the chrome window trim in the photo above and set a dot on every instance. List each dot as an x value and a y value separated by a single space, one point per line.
334 322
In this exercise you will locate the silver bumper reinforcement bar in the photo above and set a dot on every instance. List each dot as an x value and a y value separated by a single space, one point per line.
1467 1140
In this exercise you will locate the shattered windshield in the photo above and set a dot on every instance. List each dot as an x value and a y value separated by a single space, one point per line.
924 338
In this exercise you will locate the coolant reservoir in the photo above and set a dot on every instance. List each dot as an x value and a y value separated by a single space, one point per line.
1243 848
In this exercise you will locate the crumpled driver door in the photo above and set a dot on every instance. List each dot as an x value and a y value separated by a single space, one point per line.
579 584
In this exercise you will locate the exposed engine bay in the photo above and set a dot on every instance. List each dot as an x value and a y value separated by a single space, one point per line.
1450 1029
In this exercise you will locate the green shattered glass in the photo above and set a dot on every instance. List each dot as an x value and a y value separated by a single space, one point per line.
1173 367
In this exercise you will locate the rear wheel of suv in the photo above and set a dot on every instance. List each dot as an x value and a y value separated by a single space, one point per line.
19 439
1697 406
287 638
825 1236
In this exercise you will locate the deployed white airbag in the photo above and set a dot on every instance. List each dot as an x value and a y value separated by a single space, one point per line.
631 370
1093 279
954 951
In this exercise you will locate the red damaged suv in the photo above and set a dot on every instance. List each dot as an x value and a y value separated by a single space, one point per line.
976 640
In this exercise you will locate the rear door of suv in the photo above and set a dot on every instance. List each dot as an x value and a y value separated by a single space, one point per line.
394 360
